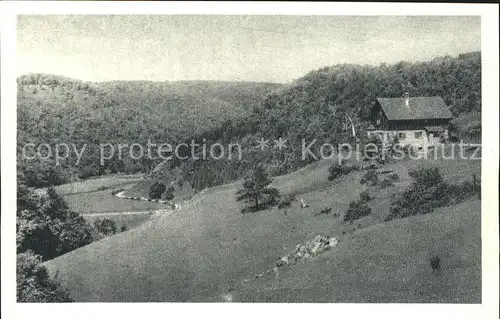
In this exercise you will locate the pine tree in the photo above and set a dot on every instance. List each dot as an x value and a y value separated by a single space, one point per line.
255 189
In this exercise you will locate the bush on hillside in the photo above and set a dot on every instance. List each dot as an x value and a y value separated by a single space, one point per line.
156 190
356 210
324 211
428 191
169 193
473 130
386 183
336 170
435 263
465 189
372 148
394 177
286 201
370 178
34 283
365 196
105 226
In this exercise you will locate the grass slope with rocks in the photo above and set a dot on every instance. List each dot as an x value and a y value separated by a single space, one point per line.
203 251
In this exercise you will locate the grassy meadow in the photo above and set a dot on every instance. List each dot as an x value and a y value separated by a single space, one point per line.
205 250
88 199
103 201
96 184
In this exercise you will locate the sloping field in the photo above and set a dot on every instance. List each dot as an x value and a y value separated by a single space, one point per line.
205 249
388 263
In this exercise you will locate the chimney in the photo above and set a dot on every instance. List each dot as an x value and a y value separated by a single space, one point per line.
407 99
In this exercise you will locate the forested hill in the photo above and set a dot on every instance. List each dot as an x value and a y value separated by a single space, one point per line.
354 88
54 109
314 107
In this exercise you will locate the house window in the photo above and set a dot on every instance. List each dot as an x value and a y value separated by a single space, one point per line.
418 134
401 135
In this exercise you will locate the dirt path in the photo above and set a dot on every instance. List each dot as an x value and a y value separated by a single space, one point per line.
126 213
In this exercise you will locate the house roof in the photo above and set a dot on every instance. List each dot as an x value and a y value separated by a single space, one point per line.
419 108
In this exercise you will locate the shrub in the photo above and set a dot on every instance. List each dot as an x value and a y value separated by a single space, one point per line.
156 190
374 152
370 178
365 196
102 188
169 193
465 189
336 170
105 226
123 228
473 130
394 177
427 191
325 211
270 197
435 263
356 210
426 177
286 201
386 183
34 283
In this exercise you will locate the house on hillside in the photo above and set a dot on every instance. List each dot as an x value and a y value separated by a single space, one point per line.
411 120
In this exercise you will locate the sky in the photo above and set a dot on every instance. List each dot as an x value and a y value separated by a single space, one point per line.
230 48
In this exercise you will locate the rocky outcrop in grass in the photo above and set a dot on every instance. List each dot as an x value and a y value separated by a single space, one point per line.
308 250
301 253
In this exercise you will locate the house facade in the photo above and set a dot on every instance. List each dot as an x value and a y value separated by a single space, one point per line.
409 120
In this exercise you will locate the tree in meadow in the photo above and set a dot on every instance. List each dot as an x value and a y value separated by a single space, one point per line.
256 191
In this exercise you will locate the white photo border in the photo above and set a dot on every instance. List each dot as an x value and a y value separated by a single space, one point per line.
490 104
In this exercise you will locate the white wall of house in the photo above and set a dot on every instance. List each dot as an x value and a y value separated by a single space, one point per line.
407 137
